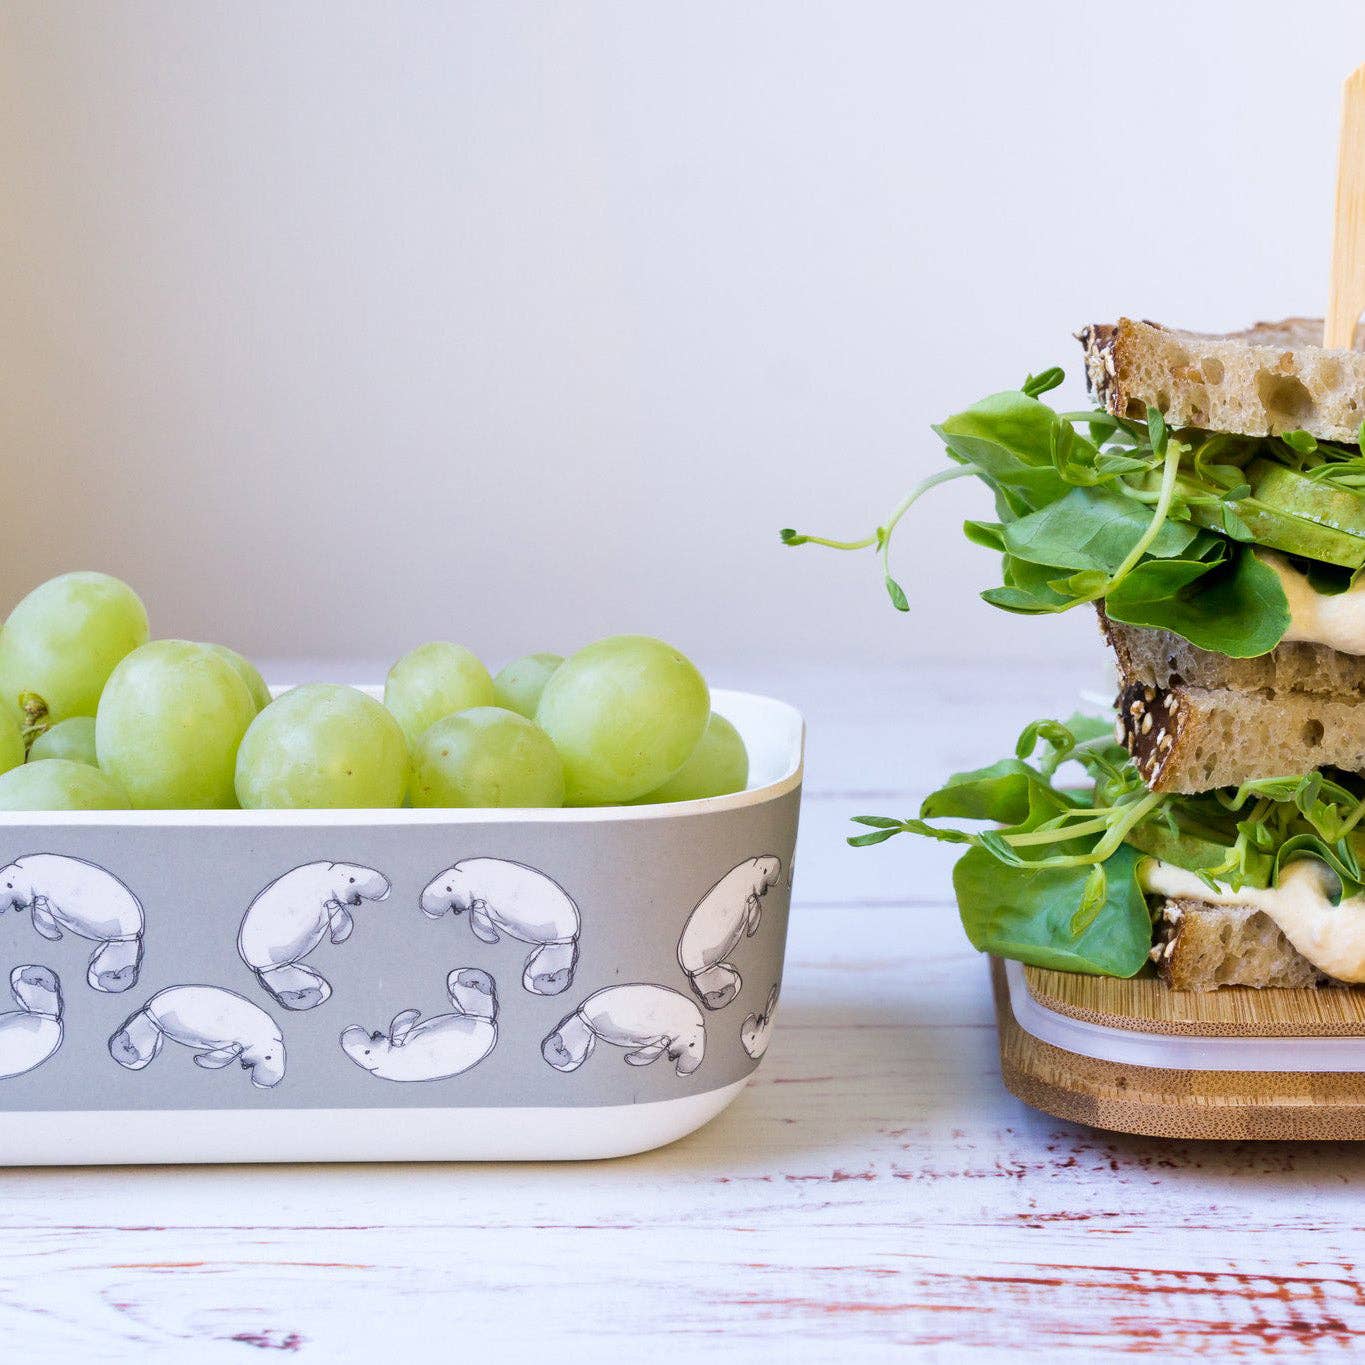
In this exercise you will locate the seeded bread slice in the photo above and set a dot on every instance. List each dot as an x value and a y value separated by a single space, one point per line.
1272 378
1200 947
1194 720
1193 739
1158 658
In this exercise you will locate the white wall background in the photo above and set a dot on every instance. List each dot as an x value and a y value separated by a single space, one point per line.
335 327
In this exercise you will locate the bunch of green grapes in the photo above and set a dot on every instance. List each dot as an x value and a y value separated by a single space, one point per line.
169 724
60 784
96 716
61 643
323 747
718 766
73 739
487 756
625 714
435 681
625 720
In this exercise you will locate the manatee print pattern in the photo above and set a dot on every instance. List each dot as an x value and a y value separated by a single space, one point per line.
437 1048
757 1029
648 1021
503 897
725 916
218 1026
71 896
30 1034
293 915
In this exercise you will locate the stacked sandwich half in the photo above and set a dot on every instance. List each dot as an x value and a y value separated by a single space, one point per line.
1211 510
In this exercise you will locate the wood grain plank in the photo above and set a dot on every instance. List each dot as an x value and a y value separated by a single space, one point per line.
594 1290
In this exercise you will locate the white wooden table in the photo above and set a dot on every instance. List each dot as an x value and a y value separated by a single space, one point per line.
874 1192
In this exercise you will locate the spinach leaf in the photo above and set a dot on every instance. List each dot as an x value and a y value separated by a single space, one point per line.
1085 728
1238 609
1027 588
1092 528
1009 438
990 535
1340 857
1329 580
1012 421
1005 793
1027 914
1055 883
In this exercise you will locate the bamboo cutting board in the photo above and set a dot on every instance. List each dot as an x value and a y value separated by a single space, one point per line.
1177 1102
1144 1004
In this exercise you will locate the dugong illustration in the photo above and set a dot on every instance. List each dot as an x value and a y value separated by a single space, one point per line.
649 1020
443 1046
221 1026
518 901
33 1032
757 1029
68 893
289 918
728 912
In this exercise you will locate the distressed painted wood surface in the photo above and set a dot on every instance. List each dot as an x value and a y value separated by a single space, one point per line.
873 1193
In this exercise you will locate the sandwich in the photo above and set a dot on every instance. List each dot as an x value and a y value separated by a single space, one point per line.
1209 509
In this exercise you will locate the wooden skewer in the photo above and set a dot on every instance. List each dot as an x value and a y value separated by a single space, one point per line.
1347 301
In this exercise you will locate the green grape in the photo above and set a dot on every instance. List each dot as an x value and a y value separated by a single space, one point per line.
168 726
718 766
72 739
255 684
487 756
518 686
625 714
59 784
435 681
61 643
323 747
11 741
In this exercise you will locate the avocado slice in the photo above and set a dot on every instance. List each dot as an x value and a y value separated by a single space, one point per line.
1276 530
1180 847
1275 485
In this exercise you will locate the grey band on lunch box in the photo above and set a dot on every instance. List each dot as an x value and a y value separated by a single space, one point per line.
426 965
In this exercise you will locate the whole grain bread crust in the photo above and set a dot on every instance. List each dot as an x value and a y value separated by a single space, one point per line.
1160 658
1203 947
1195 739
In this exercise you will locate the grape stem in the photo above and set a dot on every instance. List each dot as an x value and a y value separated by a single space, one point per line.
35 717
